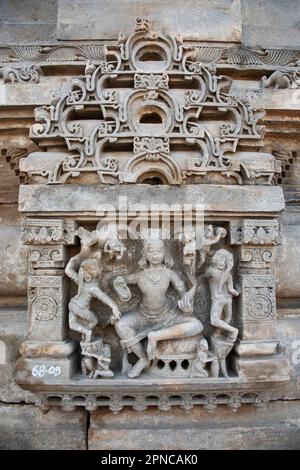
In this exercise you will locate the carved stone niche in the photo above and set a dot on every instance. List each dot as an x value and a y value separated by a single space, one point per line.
125 321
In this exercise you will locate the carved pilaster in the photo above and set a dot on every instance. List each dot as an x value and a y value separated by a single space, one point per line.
47 351
258 343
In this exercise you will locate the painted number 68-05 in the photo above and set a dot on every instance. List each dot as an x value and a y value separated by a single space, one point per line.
42 370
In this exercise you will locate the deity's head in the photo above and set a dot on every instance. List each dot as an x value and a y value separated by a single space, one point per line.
108 237
222 259
90 270
221 231
154 253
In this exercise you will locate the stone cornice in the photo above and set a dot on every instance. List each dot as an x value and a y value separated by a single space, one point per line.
221 55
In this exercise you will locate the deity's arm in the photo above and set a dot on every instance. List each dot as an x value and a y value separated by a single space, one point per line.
131 278
212 241
87 238
230 287
206 275
220 233
100 295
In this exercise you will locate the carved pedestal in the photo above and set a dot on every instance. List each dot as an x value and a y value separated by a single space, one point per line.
175 358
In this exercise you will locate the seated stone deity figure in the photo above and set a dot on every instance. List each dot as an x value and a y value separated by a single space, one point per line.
158 316
220 283
81 318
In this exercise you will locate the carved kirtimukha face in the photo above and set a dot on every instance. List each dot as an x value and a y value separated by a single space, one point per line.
155 252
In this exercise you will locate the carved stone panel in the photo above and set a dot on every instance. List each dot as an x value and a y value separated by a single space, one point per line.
121 313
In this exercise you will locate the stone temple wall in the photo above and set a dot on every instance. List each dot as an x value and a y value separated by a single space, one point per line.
195 102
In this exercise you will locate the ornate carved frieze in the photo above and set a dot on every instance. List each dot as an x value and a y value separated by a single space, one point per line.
20 73
282 79
234 55
40 257
256 257
255 232
44 296
150 87
164 401
48 232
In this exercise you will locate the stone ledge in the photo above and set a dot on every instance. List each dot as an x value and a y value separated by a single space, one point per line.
90 199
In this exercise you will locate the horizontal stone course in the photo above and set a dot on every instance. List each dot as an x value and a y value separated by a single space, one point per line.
275 426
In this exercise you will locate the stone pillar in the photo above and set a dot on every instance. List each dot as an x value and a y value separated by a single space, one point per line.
257 352
47 352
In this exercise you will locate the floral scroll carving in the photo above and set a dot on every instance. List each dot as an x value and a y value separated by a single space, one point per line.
22 74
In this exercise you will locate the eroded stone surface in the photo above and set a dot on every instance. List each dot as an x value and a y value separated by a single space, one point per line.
204 20
39 198
270 23
25 427
29 20
13 331
277 426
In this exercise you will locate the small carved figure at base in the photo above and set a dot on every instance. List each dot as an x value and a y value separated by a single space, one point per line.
202 359
221 348
96 359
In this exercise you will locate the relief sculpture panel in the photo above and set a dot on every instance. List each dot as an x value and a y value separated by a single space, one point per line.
124 312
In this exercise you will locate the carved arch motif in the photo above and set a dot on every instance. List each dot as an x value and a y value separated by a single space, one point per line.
149 85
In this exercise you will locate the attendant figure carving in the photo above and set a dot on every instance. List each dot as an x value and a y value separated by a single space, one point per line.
219 278
93 244
203 359
96 359
210 238
81 318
